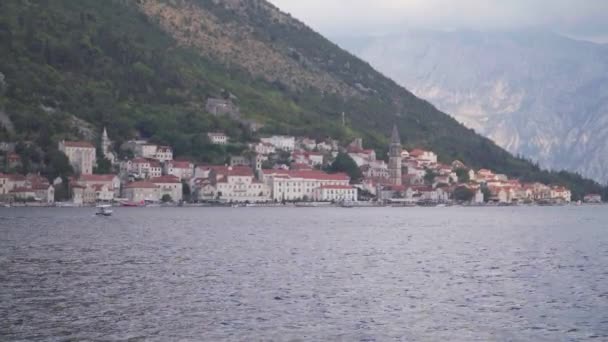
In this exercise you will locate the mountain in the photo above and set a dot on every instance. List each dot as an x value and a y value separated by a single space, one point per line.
147 68
534 93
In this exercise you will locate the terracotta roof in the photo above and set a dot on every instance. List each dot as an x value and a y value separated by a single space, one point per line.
141 185
16 178
181 164
308 174
165 179
78 144
417 152
97 178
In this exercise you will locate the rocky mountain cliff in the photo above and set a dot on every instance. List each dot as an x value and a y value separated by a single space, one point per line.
534 93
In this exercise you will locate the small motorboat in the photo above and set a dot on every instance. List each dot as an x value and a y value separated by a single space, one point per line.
104 210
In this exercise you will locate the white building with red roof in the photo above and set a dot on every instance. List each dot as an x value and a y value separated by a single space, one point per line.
182 169
81 154
142 168
290 185
142 191
307 157
426 157
237 184
112 183
169 185
163 154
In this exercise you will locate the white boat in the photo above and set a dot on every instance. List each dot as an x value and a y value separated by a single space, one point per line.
104 210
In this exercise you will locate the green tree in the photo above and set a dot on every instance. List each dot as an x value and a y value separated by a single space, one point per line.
344 163
487 194
186 191
463 194
104 166
463 175
57 165
429 176
166 198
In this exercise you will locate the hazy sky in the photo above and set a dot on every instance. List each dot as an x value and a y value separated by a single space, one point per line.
581 18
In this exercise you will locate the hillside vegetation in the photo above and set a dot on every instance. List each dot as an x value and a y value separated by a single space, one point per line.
147 67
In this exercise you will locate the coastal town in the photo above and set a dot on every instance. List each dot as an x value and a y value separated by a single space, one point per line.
305 176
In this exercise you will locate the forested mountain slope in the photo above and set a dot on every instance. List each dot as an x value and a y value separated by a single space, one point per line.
147 67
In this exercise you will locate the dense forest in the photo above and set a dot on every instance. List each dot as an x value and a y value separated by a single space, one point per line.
68 68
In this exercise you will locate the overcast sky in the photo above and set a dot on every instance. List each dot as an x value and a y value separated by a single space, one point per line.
580 18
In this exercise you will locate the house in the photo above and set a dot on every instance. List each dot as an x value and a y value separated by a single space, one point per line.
217 138
81 154
335 193
263 148
307 157
145 150
281 142
83 195
375 169
561 194
163 154
593 198
238 184
142 191
290 185
182 169
306 143
112 182
500 194
23 194
240 161
103 192
203 189
169 185
141 168
426 157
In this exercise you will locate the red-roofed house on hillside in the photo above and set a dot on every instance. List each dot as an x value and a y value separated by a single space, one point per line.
425 157
163 154
182 169
169 185
142 191
81 154
292 185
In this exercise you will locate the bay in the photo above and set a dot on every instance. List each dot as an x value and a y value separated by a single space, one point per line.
309 274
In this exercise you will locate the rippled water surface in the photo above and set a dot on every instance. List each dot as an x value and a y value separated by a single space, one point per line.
248 274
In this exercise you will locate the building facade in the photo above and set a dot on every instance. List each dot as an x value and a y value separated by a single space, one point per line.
81 154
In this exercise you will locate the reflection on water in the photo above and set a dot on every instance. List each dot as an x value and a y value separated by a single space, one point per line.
459 274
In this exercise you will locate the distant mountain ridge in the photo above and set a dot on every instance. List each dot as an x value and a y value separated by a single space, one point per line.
534 93
148 67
